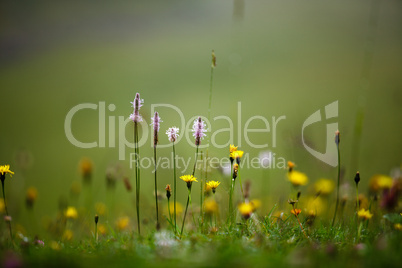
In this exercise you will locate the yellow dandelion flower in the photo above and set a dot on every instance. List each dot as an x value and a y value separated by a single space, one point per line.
256 204
295 211
100 208
188 178
212 185
297 178
398 226
315 206
364 214
71 213
54 245
102 229
380 182
122 223
32 193
5 169
179 208
68 235
31 196
324 186
232 148
246 209
86 167
210 206
236 154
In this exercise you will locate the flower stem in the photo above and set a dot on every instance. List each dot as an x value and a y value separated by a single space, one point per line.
339 179
301 227
5 206
241 185
156 193
96 232
174 188
357 198
196 158
185 213
137 177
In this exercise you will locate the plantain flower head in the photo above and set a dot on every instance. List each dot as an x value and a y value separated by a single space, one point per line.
156 124
137 104
172 133
198 130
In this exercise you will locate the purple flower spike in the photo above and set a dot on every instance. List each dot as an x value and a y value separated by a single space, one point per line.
198 130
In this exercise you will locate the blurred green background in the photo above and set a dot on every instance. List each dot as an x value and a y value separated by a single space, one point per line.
277 58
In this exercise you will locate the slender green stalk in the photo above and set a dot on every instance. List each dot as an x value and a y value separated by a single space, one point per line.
196 158
96 232
241 185
201 186
339 179
357 198
231 191
137 176
185 213
230 200
156 193
174 190
359 230
5 206
209 120
170 214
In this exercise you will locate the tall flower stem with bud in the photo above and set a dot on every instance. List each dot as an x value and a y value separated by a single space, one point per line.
136 117
96 228
173 134
213 65
168 195
156 124
3 171
337 140
357 180
296 211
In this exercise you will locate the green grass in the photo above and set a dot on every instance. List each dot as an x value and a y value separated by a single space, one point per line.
264 242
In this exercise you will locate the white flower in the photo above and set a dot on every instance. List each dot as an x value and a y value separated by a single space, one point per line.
172 133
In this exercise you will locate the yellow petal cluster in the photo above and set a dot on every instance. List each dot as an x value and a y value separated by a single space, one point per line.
297 178
188 178
364 214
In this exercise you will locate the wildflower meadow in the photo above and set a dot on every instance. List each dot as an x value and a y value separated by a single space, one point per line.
204 134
